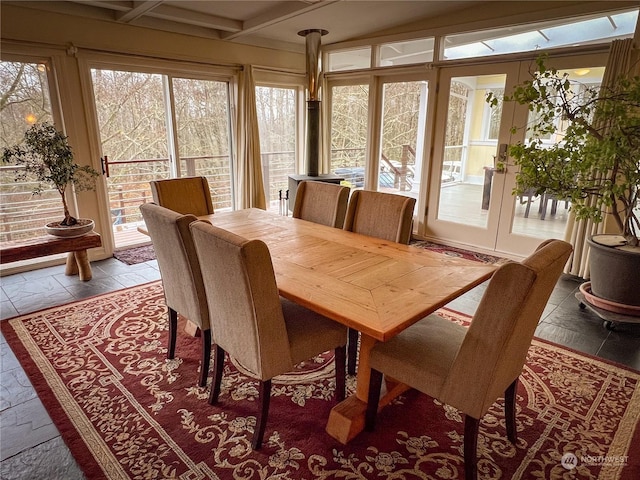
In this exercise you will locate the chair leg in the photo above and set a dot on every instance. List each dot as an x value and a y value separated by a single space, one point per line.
218 367
526 210
205 338
375 384
543 204
352 353
173 332
471 447
510 411
341 369
261 420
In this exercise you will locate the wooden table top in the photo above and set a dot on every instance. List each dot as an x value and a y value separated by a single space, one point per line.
375 286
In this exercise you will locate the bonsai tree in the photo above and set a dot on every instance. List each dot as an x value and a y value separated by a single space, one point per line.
596 165
46 156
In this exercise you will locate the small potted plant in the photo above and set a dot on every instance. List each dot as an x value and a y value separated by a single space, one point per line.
596 165
46 157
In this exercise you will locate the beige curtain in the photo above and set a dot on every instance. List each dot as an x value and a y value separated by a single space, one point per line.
250 185
578 231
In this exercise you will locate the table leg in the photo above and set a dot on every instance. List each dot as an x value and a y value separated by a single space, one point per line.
78 263
346 420
71 267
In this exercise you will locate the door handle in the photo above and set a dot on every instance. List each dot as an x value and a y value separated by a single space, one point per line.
104 162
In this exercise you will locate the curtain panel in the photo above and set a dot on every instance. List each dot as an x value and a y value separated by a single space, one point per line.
620 62
250 183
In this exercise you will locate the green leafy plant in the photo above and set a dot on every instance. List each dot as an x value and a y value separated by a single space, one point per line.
46 156
596 165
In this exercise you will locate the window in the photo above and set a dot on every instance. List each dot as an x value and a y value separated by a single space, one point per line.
387 55
538 36
354 59
276 110
26 91
404 53
493 115
155 126
349 121
584 82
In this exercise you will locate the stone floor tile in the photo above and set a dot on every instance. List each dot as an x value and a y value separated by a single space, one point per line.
50 460
27 424
15 388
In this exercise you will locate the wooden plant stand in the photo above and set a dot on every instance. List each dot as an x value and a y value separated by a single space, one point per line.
77 258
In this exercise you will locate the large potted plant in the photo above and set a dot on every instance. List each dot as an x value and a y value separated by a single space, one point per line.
596 166
47 158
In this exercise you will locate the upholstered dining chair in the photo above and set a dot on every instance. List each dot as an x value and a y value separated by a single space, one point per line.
264 332
186 195
321 202
469 368
381 215
181 277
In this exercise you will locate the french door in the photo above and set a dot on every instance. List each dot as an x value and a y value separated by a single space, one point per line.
378 131
155 126
471 199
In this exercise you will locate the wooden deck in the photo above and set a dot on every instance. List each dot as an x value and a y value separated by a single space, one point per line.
129 236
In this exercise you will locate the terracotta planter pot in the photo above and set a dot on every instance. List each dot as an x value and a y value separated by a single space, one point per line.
615 270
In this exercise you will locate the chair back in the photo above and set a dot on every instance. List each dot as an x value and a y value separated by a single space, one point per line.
241 288
321 202
495 347
181 277
187 195
382 215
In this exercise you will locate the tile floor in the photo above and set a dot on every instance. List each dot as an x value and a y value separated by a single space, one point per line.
30 445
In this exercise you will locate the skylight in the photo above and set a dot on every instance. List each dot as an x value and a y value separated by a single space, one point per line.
531 37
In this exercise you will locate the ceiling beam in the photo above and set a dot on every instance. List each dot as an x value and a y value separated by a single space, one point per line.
139 9
276 15
181 15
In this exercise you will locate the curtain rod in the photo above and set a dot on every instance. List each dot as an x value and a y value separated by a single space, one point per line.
290 71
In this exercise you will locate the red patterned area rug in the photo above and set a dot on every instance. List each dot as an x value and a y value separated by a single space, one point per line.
457 252
126 412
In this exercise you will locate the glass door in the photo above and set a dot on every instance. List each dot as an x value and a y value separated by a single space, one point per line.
154 126
130 108
378 133
203 135
528 219
402 137
466 193
349 120
471 200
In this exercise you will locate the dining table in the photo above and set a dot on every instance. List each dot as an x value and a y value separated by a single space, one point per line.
375 286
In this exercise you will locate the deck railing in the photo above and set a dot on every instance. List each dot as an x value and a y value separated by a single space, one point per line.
23 215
